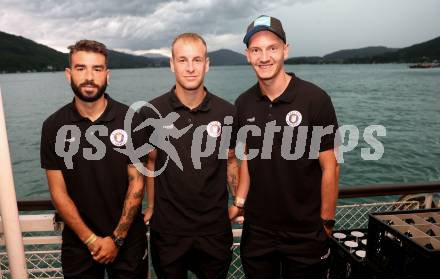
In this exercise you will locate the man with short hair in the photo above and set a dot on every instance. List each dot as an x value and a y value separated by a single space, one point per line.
96 190
190 228
289 200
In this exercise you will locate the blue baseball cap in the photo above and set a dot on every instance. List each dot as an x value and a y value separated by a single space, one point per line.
265 23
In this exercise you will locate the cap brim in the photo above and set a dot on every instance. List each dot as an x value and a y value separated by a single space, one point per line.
254 30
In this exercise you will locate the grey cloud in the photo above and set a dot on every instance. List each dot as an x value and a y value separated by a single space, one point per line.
316 27
83 9
137 24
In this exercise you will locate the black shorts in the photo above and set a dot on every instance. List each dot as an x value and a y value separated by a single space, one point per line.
77 262
208 257
274 254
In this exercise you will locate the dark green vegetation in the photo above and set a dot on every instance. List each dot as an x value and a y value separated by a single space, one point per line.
424 52
18 54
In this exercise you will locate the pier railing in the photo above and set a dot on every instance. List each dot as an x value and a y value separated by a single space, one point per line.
42 230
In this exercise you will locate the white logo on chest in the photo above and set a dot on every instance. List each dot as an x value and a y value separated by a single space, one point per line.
293 118
214 129
118 137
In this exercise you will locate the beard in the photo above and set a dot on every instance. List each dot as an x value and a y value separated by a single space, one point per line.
89 99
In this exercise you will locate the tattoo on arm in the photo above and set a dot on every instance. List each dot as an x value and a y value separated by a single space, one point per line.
139 194
232 173
233 181
122 227
133 199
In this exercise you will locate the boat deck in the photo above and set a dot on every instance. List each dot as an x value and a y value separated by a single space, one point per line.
42 231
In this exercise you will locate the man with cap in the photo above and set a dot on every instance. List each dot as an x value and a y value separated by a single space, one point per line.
190 228
289 200
96 189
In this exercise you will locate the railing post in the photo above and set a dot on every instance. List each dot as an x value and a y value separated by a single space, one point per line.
8 207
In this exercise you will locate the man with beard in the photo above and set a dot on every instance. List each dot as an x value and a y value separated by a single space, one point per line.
96 190
190 229
291 199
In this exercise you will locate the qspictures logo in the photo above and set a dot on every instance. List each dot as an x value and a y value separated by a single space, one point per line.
219 132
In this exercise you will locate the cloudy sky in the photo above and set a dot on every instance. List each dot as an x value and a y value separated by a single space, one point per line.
314 27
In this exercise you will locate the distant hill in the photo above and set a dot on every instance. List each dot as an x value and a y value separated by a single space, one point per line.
424 52
159 59
223 57
18 54
155 55
220 57
304 60
21 54
342 55
119 60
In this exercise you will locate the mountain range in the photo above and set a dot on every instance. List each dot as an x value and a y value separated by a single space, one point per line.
423 52
219 57
19 54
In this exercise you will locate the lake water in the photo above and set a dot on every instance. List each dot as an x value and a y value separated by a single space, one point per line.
405 101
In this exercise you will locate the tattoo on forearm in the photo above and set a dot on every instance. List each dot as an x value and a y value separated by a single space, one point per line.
232 174
122 228
233 184
126 220
234 181
132 202
139 194
132 212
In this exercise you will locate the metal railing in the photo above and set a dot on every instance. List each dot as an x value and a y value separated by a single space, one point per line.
344 193
42 234
42 243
